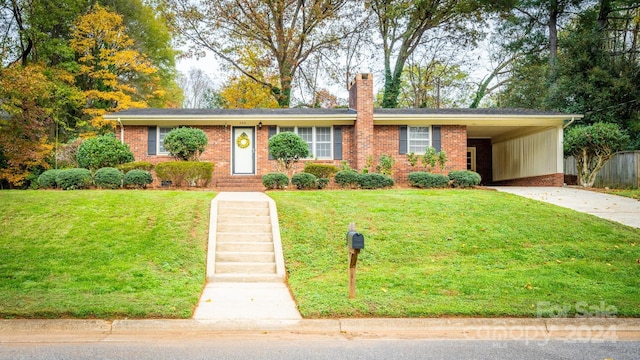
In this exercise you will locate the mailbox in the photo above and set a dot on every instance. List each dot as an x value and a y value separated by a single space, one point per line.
355 240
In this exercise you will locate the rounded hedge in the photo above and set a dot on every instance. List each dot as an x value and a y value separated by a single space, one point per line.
374 181
108 178
47 179
320 170
425 180
193 173
136 165
275 180
72 179
347 178
185 143
304 181
464 178
103 151
137 178
322 183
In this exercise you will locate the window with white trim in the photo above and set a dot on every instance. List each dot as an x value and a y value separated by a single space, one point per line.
319 140
419 139
162 133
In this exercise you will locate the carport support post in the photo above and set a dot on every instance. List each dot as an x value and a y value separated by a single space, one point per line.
353 261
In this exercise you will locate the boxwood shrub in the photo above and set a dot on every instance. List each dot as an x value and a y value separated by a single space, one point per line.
193 173
71 179
374 181
464 178
322 183
304 181
108 178
347 178
47 179
137 178
135 165
423 179
320 170
275 180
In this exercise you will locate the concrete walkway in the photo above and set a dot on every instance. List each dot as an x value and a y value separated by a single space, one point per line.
241 284
611 207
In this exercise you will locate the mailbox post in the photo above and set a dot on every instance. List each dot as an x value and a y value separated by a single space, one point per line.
355 242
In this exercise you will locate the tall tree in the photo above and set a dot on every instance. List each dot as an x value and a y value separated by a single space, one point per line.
289 31
195 85
402 25
110 67
244 93
26 95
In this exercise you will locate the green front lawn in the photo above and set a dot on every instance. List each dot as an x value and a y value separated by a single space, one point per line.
456 252
104 254
631 193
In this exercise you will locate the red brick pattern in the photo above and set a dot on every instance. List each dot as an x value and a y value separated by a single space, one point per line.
361 100
544 180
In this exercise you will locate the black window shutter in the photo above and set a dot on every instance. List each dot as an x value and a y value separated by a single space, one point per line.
272 130
152 142
337 143
403 139
437 138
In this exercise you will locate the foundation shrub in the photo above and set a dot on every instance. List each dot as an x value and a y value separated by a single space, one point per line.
191 173
275 180
108 178
464 178
426 180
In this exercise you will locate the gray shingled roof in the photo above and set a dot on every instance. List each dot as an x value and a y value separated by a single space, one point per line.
230 112
341 111
467 111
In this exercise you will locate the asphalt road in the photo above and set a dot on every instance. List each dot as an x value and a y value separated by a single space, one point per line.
330 347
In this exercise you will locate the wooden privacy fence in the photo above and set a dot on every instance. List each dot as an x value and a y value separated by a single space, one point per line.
622 171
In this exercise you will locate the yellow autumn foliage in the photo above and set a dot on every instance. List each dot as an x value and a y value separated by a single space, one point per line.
244 93
115 76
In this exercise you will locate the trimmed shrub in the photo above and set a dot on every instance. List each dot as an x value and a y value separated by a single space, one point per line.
47 179
73 179
185 143
347 178
374 181
108 178
194 173
320 170
322 183
136 165
275 180
423 179
287 148
304 181
103 151
464 178
138 178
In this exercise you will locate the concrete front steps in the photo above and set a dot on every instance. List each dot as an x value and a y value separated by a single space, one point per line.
245 265
244 243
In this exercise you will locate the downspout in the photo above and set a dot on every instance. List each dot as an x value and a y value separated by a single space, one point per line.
569 123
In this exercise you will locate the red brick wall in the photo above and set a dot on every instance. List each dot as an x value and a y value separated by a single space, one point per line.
544 180
361 100
454 139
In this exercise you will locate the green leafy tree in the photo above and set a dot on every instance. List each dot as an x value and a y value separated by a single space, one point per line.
285 33
103 151
287 148
403 24
592 146
186 143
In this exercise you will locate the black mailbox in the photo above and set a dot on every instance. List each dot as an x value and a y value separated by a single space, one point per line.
355 240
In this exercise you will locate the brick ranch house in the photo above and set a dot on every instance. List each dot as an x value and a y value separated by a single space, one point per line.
505 146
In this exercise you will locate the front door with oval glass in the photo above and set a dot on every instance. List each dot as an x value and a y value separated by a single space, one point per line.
243 151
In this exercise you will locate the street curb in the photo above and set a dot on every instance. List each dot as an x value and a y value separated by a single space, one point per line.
602 329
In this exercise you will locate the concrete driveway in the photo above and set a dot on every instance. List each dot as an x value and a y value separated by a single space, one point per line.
611 207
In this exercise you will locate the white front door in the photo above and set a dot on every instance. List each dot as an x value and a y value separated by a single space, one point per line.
243 150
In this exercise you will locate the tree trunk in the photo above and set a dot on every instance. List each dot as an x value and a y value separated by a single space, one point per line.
553 33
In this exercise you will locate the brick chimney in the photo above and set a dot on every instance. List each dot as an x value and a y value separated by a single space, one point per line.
361 100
